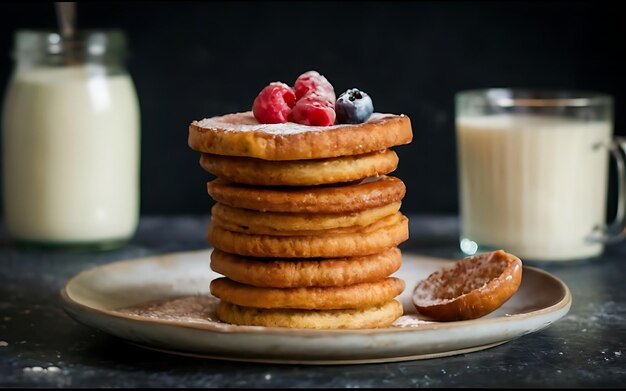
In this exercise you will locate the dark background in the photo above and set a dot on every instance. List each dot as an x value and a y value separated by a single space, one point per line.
191 60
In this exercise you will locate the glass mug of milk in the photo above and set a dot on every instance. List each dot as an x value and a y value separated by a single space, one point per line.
70 132
533 169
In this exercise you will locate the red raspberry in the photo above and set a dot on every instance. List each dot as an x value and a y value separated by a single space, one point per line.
313 111
274 103
312 81
315 100
311 102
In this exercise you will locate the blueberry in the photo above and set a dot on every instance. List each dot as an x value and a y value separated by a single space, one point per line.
353 107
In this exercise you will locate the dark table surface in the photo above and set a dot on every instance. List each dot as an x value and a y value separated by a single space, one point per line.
40 346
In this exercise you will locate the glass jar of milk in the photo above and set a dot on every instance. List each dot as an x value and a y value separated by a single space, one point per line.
71 134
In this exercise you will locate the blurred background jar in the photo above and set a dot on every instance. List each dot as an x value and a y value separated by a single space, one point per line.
71 141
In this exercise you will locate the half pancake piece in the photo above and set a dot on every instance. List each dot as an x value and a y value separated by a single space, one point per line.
373 317
380 236
291 273
251 171
363 295
369 193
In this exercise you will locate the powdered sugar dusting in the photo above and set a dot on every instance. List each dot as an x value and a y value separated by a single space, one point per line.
190 309
201 309
245 122
410 321
467 275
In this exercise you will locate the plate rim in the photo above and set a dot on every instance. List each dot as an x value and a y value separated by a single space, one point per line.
226 328
300 361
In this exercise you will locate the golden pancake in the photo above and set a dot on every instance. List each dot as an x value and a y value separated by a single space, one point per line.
251 171
259 230
240 134
363 295
382 235
291 273
373 317
344 198
270 223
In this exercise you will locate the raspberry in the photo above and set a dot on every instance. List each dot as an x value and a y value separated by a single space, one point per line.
274 103
313 111
312 81
311 102
315 100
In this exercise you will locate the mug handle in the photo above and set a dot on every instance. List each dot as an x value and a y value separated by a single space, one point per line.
615 232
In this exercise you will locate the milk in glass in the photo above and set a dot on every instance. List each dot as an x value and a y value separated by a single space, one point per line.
533 185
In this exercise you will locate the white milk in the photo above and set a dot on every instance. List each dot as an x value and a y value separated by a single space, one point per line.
533 186
70 156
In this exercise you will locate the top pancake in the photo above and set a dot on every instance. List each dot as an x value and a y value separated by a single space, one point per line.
240 134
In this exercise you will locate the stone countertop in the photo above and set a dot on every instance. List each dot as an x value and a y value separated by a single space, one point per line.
40 346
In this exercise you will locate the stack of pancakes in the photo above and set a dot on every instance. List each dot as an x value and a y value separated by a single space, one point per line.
306 225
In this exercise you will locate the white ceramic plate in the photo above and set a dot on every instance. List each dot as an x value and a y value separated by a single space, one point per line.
93 296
